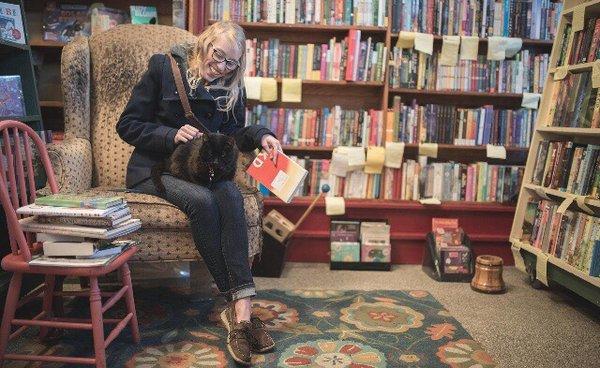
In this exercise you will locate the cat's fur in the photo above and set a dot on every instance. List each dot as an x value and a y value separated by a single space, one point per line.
205 160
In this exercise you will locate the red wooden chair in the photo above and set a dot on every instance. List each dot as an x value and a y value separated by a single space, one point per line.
17 188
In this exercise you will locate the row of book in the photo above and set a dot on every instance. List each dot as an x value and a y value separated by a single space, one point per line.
329 127
63 22
78 231
526 72
450 181
575 102
446 181
571 236
336 12
585 42
536 19
347 59
412 123
569 167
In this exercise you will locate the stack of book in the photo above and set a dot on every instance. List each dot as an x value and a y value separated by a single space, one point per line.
78 231
354 241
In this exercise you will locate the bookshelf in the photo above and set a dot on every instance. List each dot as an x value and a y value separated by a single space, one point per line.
47 53
552 261
410 220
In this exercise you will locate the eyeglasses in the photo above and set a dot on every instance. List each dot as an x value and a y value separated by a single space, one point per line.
219 56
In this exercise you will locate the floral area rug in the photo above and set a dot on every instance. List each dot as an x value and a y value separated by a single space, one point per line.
312 328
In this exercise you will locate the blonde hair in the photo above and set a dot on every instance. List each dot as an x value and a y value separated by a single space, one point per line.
233 83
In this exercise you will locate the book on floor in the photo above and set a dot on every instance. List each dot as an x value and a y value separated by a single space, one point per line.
79 201
282 177
29 224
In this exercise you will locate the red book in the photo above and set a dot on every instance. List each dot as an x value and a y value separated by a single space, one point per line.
282 178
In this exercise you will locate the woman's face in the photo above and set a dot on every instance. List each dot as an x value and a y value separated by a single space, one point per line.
222 58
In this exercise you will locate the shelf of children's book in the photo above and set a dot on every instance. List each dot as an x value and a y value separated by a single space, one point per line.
557 262
14 45
527 42
51 104
296 27
568 131
574 67
380 204
559 196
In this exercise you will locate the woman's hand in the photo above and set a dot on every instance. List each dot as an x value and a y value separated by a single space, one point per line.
186 133
271 145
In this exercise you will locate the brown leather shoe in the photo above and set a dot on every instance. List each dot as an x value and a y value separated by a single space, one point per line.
237 338
260 340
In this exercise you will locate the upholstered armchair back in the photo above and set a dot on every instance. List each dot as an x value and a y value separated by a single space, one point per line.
98 74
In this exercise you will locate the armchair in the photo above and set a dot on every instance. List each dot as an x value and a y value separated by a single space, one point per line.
98 74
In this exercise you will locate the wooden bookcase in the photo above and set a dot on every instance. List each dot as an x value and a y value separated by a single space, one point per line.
537 263
488 224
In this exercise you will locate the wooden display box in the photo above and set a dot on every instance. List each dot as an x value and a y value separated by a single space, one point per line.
433 266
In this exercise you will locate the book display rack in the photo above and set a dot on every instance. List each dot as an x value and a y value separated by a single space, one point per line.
555 231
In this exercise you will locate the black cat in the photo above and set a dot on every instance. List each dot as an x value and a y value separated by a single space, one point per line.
205 160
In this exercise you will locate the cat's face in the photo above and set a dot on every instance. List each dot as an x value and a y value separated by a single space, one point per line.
220 153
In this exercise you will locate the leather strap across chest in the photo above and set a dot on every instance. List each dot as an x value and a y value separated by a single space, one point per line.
185 102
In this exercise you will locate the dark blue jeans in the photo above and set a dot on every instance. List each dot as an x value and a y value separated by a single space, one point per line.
218 224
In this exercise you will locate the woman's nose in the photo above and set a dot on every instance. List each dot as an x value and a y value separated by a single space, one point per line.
220 66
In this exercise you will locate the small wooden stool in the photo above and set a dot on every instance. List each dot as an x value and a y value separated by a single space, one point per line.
488 275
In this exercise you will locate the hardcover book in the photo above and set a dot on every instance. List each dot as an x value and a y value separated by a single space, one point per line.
29 224
143 14
282 178
11 23
63 22
34 209
77 201
11 96
344 231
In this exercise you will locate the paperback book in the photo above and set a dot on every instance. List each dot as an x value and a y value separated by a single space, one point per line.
30 224
35 209
63 22
282 177
11 23
141 14
11 96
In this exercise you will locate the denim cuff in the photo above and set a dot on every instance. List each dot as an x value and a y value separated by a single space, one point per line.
244 292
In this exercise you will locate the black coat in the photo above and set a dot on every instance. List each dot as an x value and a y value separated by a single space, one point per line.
154 114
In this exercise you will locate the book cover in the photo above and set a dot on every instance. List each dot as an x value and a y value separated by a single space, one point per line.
281 178
63 22
103 18
109 220
141 14
77 201
11 23
12 102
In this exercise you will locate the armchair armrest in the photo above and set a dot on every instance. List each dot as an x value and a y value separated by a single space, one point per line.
241 178
72 164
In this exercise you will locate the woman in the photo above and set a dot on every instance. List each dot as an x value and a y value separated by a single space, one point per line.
154 122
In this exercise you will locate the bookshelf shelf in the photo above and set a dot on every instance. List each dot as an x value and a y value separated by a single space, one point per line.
50 103
579 132
337 83
527 42
281 27
427 92
560 263
14 45
575 68
560 194
399 204
24 119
